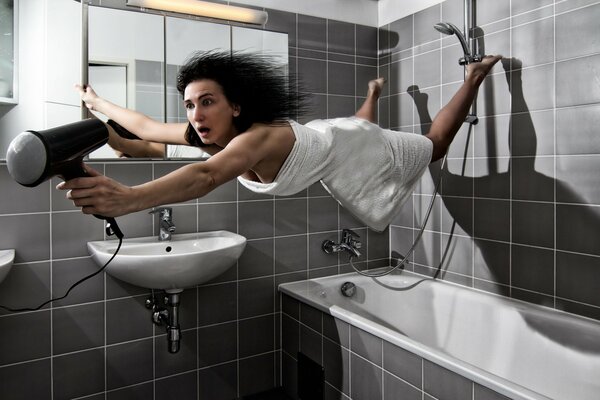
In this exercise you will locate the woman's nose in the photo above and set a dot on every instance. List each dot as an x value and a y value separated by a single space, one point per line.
197 114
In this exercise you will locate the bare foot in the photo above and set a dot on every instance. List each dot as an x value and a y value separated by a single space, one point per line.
375 87
479 70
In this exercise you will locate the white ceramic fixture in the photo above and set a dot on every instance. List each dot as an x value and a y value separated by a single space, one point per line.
6 261
186 260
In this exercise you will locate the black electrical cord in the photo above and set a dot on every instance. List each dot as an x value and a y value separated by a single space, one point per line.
85 278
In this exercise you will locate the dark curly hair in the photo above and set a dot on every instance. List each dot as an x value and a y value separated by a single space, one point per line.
255 82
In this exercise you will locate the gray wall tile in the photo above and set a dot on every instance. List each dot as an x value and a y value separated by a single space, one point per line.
576 33
290 254
21 199
29 380
403 364
256 335
444 384
136 392
217 344
576 130
219 303
533 223
534 43
340 37
256 297
25 337
366 379
256 219
257 259
218 382
312 32
184 360
256 374
84 324
290 217
67 272
26 286
576 228
577 81
579 174
584 288
394 387
127 319
178 387
78 374
28 234
128 364
532 269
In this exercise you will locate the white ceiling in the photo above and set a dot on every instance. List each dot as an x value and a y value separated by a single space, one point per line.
364 12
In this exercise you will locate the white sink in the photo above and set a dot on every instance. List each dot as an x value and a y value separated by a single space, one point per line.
186 260
6 261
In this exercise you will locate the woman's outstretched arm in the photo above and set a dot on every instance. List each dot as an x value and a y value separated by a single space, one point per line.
139 124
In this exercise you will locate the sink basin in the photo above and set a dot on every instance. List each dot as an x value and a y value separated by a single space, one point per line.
186 260
6 261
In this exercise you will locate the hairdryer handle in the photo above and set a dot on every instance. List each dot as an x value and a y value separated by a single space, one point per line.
78 171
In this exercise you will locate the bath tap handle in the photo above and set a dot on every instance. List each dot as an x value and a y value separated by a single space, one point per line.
347 231
350 238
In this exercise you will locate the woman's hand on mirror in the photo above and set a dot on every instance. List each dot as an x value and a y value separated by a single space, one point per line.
98 194
88 96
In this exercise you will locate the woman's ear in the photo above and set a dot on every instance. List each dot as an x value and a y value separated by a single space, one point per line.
236 110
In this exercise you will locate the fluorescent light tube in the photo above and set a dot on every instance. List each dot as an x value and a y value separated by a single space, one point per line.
205 9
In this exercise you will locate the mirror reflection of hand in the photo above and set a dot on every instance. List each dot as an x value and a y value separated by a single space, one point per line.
88 96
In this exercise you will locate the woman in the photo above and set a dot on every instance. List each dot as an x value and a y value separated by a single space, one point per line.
239 111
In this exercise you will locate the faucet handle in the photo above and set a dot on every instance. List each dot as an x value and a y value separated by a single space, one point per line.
164 212
346 232
348 235
352 238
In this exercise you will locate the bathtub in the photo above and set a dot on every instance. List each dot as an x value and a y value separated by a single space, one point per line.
517 349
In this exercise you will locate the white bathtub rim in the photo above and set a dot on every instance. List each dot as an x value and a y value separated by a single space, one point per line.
475 374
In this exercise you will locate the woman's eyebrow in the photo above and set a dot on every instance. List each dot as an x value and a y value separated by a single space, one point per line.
199 97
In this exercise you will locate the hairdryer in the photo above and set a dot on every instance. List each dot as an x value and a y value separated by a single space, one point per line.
36 156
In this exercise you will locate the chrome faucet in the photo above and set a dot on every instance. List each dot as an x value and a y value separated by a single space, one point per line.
165 219
349 243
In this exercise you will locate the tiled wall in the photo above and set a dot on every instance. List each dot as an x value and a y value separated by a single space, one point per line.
358 365
99 343
520 216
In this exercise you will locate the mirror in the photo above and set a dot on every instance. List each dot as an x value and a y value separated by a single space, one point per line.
140 73
8 51
131 74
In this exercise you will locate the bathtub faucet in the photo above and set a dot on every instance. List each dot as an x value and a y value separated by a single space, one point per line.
349 243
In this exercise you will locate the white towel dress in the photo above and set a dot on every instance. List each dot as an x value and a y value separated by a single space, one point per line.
369 170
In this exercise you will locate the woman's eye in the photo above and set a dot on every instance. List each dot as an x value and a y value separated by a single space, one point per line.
189 106
207 102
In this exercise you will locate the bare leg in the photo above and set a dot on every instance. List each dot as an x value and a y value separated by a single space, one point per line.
450 118
368 109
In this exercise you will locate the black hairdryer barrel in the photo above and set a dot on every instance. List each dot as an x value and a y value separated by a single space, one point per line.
36 156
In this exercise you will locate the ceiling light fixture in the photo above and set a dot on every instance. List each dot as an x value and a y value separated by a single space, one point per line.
205 9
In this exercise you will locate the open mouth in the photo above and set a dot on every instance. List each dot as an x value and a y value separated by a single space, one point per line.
203 131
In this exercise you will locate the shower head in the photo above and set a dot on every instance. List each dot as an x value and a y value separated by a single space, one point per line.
445 28
450 29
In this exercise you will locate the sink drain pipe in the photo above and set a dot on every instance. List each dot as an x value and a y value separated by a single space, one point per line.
169 317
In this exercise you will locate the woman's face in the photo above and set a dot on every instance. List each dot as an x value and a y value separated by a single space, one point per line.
210 112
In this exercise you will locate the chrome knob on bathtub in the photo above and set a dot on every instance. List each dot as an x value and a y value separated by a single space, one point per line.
348 289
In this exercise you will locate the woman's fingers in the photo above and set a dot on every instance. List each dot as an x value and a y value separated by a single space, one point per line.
91 171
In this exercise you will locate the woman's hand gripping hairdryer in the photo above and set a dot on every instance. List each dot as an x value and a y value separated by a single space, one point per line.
36 156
